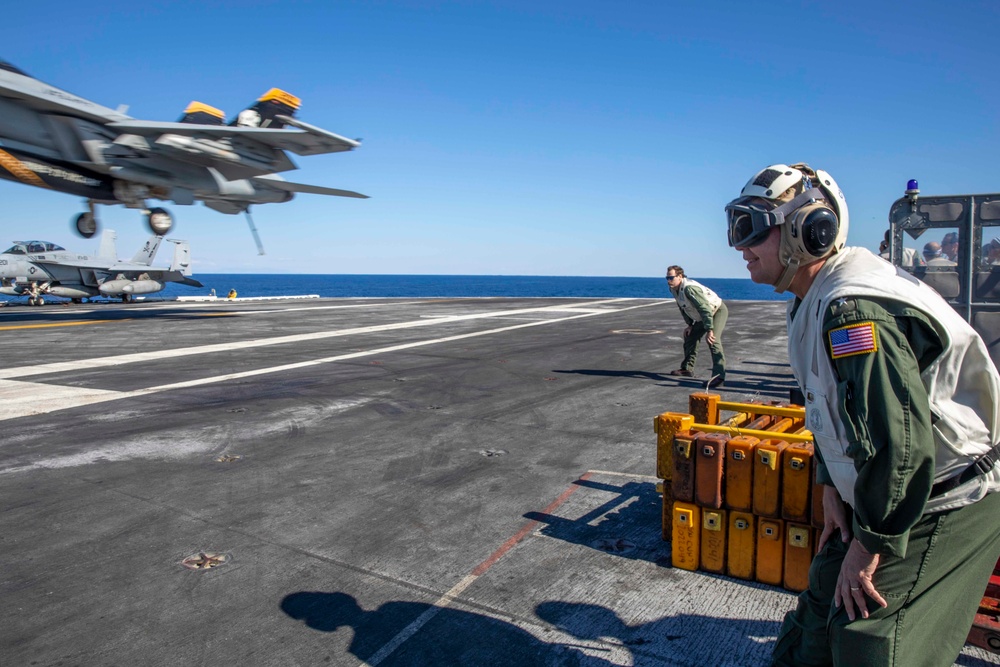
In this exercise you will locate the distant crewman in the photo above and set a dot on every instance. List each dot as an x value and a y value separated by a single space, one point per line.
705 315
232 294
934 256
911 259
991 253
904 406
949 246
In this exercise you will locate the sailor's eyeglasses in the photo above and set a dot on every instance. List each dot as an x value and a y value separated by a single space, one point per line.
669 277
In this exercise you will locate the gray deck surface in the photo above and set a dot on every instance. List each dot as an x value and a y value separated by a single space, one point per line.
391 482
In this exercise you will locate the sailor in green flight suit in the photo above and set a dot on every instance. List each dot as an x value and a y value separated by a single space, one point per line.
705 315
904 406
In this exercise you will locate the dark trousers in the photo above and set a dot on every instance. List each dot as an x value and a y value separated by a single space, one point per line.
933 594
698 331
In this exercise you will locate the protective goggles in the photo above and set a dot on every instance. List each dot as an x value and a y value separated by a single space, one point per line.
750 219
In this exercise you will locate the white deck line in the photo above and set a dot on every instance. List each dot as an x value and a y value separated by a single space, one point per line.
153 355
19 399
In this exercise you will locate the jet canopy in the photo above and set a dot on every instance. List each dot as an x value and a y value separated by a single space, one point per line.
32 247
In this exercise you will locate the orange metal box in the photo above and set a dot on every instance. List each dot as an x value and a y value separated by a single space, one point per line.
666 425
770 551
682 479
684 548
713 541
704 407
796 482
798 555
710 454
767 478
739 472
741 545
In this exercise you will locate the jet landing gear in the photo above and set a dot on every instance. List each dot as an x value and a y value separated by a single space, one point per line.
159 221
86 225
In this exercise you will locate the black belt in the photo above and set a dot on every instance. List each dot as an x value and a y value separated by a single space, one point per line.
980 466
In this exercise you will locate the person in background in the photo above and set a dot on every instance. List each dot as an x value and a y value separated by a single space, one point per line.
934 256
911 260
949 246
705 315
904 406
991 253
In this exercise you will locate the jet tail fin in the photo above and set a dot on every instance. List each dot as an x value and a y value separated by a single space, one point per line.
108 249
202 114
182 258
148 251
268 109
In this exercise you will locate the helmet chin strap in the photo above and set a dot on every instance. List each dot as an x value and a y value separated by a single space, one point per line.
786 276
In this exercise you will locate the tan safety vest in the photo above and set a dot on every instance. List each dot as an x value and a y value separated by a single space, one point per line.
962 383
689 309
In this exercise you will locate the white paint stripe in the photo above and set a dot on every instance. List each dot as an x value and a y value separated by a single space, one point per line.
31 398
442 603
100 362
89 396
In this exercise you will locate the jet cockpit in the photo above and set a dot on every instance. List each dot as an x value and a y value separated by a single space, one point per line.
32 248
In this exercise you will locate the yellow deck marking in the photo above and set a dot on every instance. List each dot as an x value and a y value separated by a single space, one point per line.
13 327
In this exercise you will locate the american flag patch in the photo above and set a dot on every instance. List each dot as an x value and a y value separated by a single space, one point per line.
853 339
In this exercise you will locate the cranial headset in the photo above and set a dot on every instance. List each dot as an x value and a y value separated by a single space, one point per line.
813 223
750 221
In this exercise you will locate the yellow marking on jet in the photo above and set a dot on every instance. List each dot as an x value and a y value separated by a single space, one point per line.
60 324
20 171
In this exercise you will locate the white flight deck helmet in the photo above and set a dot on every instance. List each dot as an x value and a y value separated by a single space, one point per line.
807 204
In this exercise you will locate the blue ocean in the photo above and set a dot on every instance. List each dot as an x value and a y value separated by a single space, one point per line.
248 285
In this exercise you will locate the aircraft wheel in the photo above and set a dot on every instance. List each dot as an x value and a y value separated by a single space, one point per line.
41 301
126 298
77 300
86 225
160 221
31 301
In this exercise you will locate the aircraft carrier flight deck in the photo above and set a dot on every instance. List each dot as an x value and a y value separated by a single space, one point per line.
362 482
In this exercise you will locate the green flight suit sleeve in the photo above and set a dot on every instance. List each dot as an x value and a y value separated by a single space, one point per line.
884 407
699 300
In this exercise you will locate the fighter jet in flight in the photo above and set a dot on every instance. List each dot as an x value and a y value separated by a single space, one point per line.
53 139
37 269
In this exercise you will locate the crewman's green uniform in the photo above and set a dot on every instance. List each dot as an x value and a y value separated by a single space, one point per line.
931 600
703 311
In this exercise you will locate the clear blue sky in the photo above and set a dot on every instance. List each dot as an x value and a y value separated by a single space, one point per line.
537 137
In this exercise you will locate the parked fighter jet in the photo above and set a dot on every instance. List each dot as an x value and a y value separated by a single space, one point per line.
37 269
53 139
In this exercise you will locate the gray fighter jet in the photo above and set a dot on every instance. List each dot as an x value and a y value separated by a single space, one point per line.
53 139
37 269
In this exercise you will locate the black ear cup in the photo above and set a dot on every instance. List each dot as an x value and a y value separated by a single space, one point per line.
819 231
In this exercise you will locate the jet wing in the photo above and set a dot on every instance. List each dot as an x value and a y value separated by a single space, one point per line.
281 184
308 140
